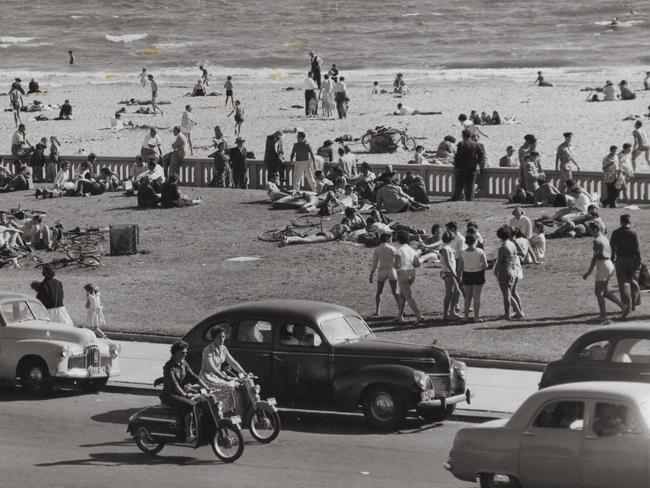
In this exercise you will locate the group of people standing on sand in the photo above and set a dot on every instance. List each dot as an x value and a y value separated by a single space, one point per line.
329 89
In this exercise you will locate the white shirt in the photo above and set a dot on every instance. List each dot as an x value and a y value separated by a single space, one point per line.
187 122
457 244
349 163
406 110
610 92
339 87
62 176
117 124
406 257
309 84
157 174
523 224
151 141
474 261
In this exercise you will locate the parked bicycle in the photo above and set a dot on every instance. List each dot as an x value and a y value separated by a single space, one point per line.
300 227
388 137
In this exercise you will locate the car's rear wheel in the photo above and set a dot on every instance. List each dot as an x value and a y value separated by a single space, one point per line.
488 480
437 414
383 408
35 378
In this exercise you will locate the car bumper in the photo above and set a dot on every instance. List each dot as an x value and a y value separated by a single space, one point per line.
86 374
445 401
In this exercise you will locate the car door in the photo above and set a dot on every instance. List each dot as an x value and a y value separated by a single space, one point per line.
250 345
630 360
301 365
11 313
615 449
550 445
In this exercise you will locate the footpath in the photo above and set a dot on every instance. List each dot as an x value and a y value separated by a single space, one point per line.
497 391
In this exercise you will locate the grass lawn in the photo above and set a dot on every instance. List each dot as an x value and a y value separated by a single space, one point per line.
186 275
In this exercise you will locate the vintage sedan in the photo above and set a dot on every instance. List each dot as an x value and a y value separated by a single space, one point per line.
592 434
319 355
610 353
39 354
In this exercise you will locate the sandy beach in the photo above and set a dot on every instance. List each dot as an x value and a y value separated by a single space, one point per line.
546 112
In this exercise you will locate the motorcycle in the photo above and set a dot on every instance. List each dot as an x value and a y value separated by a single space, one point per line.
260 416
156 426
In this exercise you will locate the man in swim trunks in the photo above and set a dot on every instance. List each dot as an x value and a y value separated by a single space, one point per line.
154 95
16 102
564 159
383 260
640 144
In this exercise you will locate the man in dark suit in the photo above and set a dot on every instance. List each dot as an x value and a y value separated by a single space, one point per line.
469 156
238 164
274 155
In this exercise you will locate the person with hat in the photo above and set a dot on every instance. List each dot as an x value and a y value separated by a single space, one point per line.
508 161
470 155
238 164
564 159
626 91
609 91
274 155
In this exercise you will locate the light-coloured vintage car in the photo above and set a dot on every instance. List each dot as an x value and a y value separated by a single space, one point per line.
594 434
39 354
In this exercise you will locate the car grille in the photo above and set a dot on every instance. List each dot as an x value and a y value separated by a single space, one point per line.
90 358
440 384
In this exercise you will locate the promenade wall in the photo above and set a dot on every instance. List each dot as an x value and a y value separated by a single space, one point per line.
438 179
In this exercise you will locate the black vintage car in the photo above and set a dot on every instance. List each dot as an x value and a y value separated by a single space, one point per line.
610 353
324 356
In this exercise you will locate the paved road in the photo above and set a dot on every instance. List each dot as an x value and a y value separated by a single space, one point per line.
74 440
498 391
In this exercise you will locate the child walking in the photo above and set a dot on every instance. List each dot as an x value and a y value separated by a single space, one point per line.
228 86
238 110
95 312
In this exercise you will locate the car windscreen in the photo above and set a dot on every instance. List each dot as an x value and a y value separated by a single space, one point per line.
38 310
15 312
344 329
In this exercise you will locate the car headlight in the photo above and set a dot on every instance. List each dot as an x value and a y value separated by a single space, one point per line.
461 369
421 379
115 350
65 352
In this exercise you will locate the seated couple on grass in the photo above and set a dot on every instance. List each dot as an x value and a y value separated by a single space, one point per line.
169 195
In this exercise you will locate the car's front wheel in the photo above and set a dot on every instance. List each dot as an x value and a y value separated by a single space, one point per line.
35 378
437 414
383 408
488 480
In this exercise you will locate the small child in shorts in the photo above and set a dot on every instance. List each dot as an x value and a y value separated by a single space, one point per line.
228 86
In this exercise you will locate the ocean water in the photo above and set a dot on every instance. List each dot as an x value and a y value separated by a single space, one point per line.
270 39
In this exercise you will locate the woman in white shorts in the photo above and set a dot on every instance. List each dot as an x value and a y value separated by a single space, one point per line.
406 260
602 263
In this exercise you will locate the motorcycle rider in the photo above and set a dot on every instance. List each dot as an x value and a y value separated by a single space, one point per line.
215 355
177 383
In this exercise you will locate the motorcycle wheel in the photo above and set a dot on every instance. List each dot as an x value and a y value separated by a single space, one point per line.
264 426
227 443
146 443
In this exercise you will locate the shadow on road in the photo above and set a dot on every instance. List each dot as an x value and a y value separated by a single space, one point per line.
342 423
130 458
116 416
15 394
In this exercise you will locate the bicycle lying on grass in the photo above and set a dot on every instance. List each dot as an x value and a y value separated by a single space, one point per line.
82 247
302 226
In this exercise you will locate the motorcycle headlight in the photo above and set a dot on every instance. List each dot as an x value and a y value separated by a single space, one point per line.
461 369
65 352
420 379
116 349
258 389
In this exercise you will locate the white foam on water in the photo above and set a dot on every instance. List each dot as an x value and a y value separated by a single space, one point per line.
126 37
15 40
242 259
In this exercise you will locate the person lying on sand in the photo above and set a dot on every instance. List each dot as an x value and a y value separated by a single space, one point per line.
406 110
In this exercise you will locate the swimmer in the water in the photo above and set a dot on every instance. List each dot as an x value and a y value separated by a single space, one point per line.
614 22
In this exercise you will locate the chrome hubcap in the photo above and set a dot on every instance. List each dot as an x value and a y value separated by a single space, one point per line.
35 374
383 406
